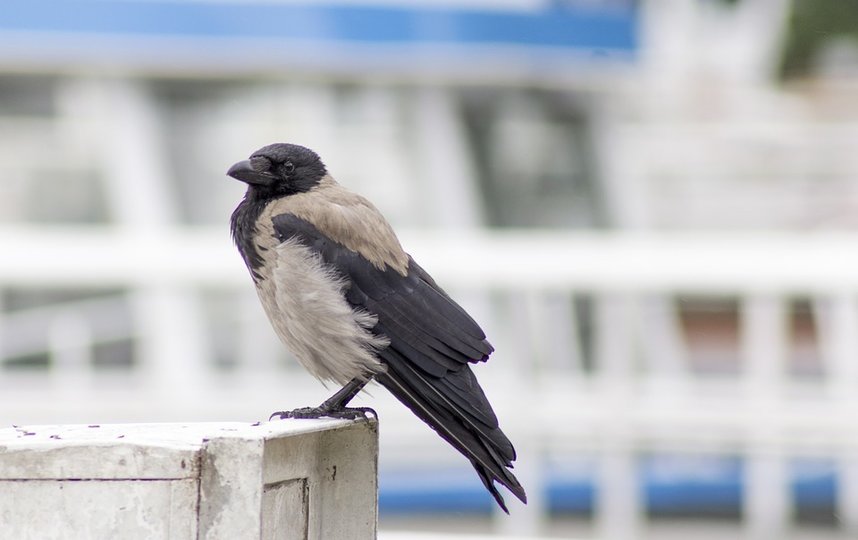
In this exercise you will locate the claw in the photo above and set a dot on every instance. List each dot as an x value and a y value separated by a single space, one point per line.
333 407
347 413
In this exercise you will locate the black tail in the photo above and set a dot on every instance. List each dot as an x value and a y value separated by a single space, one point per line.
456 407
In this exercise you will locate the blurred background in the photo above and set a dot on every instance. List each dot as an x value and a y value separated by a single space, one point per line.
651 206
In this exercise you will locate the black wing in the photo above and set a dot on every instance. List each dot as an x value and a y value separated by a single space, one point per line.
432 342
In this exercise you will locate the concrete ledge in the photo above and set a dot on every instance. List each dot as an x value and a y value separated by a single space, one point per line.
290 479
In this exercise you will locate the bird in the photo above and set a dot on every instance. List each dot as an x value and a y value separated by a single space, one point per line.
352 306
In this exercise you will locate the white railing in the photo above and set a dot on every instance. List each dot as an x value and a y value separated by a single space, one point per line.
693 262
638 396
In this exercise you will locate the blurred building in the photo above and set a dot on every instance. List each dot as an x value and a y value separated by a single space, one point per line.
681 172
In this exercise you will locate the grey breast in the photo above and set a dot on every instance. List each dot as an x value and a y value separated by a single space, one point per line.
305 303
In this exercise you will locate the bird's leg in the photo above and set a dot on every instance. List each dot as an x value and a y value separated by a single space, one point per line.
344 395
334 406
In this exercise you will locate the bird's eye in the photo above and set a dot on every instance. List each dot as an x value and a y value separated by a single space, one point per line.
289 167
260 163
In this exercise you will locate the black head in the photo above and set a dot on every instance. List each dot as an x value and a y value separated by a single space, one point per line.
279 169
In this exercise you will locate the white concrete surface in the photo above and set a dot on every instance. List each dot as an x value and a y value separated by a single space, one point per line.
292 479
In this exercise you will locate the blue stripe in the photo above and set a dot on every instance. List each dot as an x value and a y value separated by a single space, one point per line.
671 484
565 27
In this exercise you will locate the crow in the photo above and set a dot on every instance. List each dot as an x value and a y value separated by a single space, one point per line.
352 306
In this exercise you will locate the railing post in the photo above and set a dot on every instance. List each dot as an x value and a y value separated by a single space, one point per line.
766 503
619 505
838 324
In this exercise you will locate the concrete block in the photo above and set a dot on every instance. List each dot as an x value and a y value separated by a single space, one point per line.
289 479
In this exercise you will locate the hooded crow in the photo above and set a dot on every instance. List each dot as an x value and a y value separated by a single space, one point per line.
352 305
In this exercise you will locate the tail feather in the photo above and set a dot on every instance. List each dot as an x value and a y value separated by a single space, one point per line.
490 486
487 448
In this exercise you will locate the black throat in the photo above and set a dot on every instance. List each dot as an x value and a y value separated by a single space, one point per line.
243 228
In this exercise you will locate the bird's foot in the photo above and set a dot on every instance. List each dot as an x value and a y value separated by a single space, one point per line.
348 413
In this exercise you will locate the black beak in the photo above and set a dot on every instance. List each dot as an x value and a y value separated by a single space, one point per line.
246 173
